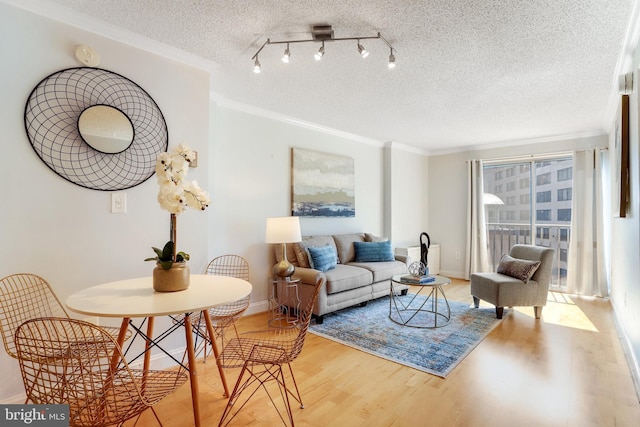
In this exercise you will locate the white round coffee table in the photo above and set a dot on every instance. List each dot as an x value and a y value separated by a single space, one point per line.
422 309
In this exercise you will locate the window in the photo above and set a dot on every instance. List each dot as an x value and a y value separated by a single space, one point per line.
543 179
543 197
565 174
564 214
543 215
565 194
536 210
563 255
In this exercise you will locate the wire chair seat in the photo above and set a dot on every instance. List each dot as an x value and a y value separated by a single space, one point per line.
68 361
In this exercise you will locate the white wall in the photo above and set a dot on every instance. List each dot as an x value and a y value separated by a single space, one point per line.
625 242
406 195
448 193
57 229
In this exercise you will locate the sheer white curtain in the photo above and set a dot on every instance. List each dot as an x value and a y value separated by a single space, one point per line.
477 255
586 269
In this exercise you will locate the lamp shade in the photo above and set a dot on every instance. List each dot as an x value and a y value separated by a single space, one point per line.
283 230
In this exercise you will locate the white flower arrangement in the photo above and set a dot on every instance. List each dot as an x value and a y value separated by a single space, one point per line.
176 193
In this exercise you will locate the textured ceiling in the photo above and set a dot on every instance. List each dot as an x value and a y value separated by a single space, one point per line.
469 72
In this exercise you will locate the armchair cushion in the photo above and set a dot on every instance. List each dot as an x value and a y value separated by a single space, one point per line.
518 268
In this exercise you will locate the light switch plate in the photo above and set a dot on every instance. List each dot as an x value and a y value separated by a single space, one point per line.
119 202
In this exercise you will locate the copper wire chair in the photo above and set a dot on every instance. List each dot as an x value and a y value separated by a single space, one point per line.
261 355
68 361
223 316
26 296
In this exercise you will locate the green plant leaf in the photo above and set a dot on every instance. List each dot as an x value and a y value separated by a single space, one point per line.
165 264
167 252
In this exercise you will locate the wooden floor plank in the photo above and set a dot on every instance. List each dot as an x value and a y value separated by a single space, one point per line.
567 369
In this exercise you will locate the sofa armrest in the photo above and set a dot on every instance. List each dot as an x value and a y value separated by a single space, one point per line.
309 275
402 258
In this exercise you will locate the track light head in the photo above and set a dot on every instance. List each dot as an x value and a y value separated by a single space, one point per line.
320 53
392 60
363 52
287 55
256 66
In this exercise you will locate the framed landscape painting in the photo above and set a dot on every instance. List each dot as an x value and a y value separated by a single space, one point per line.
322 184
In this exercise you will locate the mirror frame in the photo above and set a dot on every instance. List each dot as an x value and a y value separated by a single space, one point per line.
51 121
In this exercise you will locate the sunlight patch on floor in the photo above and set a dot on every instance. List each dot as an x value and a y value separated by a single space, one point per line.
561 310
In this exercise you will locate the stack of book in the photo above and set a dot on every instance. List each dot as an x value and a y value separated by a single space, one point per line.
416 279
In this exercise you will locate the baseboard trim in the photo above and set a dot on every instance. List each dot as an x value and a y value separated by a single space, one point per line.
627 349
452 274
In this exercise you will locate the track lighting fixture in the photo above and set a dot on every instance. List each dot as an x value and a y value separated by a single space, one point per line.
363 52
392 60
322 34
287 55
320 53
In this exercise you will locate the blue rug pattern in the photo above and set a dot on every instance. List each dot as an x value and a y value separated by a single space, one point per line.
436 351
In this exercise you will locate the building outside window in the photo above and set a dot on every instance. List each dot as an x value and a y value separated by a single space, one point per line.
543 197
565 174
565 194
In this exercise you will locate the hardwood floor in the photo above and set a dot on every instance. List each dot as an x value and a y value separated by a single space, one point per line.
567 369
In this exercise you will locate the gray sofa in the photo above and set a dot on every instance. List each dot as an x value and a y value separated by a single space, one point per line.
349 282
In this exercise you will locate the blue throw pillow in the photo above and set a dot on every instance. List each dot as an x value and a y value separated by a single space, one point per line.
373 251
322 258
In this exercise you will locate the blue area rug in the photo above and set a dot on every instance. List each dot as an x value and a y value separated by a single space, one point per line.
436 351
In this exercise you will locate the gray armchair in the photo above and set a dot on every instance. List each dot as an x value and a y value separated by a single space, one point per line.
502 290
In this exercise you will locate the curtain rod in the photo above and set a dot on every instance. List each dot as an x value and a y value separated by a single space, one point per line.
541 156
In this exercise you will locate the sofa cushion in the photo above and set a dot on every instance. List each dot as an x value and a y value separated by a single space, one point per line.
347 277
521 269
373 251
382 270
315 241
368 237
322 258
301 255
344 245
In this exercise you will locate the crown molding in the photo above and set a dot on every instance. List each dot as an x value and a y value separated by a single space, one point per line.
261 112
514 143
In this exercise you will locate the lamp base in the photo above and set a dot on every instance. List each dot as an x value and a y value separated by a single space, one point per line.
283 269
